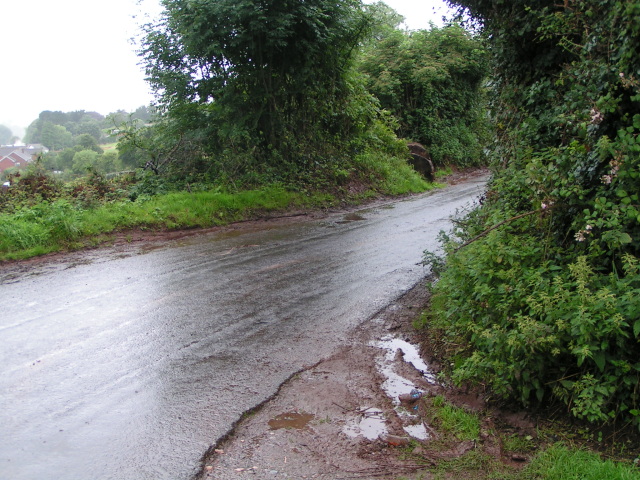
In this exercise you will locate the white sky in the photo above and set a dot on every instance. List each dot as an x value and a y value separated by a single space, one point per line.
77 55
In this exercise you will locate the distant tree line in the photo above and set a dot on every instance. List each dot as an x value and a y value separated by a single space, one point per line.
76 139
59 130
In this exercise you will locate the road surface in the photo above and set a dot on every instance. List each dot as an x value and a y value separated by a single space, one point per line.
130 365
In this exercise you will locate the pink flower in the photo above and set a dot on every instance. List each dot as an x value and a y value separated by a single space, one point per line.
596 116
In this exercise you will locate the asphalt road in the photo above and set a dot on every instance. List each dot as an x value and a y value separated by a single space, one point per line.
129 365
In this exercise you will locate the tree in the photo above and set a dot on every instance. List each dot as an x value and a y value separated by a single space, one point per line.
90 126
5 135
88 142
432 81
55 137
267 77
77 123
385 21
107 162
143 113
84 160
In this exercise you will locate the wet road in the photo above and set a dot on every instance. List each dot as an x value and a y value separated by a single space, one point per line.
131 366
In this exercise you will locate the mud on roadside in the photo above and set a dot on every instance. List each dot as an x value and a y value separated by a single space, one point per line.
342 417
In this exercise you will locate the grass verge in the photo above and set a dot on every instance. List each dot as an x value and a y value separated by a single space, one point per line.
61 225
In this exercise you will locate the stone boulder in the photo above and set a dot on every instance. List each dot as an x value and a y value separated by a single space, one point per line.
420 161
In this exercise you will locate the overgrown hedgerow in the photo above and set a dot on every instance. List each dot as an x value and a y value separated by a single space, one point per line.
539 297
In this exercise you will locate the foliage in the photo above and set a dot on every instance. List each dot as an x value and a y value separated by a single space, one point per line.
541 283
161 147
87 142
40 213
65 223
432 82
60 130
84 160
259 92
55 130
30 186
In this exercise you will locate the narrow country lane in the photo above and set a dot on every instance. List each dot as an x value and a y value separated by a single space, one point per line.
129 366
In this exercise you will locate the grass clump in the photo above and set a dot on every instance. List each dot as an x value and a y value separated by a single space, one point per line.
455 421
559 462
475 464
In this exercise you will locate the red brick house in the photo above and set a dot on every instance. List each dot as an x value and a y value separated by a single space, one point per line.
18 156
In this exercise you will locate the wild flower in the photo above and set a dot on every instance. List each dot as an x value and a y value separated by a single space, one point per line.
580 236
613 172
596 116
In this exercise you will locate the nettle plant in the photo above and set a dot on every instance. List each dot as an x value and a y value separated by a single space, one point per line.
539 297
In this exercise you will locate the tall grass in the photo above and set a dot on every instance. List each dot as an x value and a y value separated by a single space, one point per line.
393 174
455 420
48 227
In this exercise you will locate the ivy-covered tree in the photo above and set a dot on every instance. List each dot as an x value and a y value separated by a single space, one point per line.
269 78
542 286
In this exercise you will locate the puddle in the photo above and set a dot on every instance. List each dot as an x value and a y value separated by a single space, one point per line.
396 385
290 420
418 431
351 217
370 425
410 354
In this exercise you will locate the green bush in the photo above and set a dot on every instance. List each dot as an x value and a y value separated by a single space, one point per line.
538 298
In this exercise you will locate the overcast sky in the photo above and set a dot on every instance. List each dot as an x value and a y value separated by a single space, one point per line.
77 54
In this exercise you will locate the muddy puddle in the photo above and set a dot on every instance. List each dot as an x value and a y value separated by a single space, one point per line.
370 424
404 392
291 420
